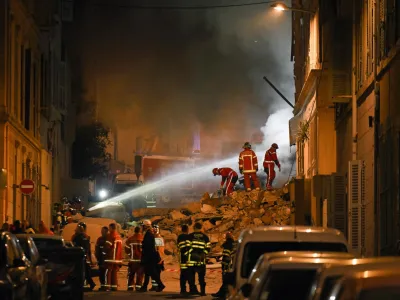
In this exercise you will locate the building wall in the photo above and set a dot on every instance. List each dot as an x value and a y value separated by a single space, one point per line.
365 152
19 104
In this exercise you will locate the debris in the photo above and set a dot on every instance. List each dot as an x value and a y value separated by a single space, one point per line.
219 215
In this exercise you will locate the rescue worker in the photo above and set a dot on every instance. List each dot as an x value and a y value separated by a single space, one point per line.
184 247
133 247
100 253
150 258
160 249
229 176
248 166
68 216
270 160
81 239
199 248
228 252
113 257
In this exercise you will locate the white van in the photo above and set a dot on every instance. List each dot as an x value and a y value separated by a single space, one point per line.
255 242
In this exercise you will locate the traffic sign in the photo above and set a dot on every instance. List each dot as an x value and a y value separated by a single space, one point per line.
27 186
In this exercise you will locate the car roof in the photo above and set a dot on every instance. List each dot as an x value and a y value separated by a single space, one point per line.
310 254
361 264
292 233
298 262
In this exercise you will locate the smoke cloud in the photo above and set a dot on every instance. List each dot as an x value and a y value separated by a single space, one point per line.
151 70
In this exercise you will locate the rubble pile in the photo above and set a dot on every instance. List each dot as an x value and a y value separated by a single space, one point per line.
219 215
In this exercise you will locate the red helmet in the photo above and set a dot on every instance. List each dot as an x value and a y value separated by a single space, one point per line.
228 235
274 145
215 171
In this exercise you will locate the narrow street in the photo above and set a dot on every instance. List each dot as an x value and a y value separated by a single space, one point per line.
170 278
129 295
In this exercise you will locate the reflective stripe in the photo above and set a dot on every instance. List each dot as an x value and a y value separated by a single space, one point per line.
135 260
113 260
269 161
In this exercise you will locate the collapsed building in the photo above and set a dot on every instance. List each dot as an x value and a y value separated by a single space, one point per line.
220 215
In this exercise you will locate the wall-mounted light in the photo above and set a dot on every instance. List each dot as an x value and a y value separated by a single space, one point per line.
283 7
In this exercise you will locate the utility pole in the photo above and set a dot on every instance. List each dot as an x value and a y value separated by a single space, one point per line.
279 93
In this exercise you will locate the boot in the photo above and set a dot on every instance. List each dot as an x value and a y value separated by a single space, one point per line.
160 288
203 290
194 291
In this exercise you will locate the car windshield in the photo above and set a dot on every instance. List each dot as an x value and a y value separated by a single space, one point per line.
288 284
46 244
254 250
328 286
383 293
25 247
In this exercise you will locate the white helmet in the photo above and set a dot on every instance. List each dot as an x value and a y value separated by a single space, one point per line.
146 223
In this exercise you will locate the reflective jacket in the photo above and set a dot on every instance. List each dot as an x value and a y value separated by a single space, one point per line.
133 247
228 253
226 173
271 158
160 245
100 250
114 248
248 161
199 248
183 247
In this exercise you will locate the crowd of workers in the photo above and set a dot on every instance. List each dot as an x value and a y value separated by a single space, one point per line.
25 227
144 250
248 166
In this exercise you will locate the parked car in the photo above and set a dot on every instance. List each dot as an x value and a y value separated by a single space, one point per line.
368 285
328 276
65 264
256 241
38 265
264 261
15 271
289 278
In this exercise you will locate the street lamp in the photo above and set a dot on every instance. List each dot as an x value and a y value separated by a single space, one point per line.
283 7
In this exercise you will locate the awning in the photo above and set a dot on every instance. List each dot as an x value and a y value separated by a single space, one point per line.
294 124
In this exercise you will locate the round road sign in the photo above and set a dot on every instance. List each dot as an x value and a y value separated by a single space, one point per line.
27 186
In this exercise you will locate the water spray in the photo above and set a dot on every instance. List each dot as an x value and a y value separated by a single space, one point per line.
174 178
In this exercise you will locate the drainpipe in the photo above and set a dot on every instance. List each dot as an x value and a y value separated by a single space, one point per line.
354 88
376 133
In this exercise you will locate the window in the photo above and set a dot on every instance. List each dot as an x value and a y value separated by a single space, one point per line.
288 284
21 84
328 286
254 250
300 158
28 74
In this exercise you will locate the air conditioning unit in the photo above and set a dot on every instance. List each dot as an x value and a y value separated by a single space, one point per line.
356 206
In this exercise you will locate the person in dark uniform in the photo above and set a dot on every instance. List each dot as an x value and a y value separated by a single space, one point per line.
150 258
81 239
184 247
199 248
100 256
228 252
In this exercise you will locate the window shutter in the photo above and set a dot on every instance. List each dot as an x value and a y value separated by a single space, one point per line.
356 204
382 26
337 211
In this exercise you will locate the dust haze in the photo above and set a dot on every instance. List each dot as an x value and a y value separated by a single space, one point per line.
148 68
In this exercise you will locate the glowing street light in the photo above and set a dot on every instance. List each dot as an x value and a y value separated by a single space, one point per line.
279 6
103 194
283 7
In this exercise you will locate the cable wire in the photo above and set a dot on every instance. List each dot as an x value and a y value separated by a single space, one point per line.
133 6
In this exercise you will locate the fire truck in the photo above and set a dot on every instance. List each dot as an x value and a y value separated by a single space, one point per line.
160 168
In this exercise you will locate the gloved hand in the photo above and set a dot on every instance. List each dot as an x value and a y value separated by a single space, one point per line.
256 169
265 170
241 171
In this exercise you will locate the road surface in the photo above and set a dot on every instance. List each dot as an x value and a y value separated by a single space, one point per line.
123 295
170 278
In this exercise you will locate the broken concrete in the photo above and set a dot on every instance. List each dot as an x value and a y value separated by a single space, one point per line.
220 215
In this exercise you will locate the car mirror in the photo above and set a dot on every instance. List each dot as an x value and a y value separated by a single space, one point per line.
246 289
18 262
229 278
